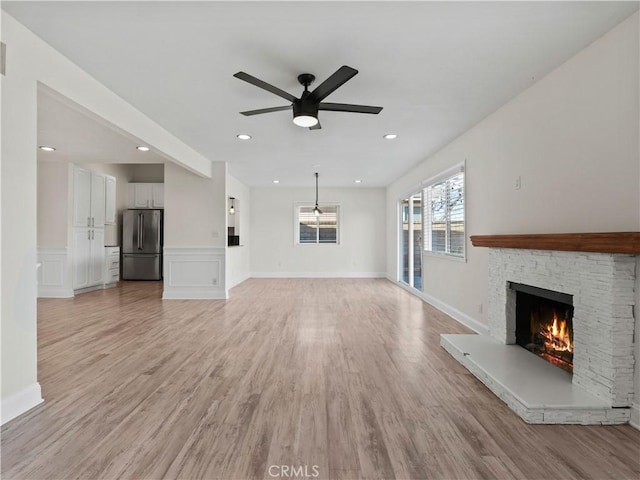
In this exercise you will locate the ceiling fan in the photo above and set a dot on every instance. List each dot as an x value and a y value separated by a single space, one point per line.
305 108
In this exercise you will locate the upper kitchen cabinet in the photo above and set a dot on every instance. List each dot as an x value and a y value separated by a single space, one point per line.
110 200
146 195
157 195
89 198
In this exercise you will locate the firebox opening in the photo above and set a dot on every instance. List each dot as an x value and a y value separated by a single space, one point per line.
544 324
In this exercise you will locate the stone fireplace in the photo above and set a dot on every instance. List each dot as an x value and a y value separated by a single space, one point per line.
574 309
602 287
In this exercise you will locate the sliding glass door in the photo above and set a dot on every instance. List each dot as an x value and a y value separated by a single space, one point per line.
411 240
404 241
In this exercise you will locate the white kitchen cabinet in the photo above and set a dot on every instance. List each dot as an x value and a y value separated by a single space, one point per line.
112 265
88 257
94 206
96 269
98 197
89 196
146 195
81 257
110 200
90 191
157 195
81 197
139 195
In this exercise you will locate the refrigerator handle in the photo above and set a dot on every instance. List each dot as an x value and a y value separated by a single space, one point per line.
139 230
142 231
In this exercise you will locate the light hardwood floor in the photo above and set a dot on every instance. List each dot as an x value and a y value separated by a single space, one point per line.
346 375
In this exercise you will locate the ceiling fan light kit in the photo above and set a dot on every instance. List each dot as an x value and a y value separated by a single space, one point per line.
305 109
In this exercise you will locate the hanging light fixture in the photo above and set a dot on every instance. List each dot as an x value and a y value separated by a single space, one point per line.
232 210
316 211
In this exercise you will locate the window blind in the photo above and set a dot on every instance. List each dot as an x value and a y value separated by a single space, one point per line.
443 216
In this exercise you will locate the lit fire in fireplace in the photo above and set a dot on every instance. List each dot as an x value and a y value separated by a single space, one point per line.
544 325
556 336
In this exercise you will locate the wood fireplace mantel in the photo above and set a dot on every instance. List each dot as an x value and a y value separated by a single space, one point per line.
610 242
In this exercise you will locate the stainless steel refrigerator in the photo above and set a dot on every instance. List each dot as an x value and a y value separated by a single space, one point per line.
142 244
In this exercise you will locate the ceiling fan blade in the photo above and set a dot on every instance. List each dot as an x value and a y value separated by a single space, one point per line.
339 78
264 85
317 126
248 113
346 107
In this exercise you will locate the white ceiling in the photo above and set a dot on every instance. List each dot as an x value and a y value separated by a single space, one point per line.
437 68
81 137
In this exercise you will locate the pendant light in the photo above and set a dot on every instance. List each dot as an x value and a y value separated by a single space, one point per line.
232 210
316 211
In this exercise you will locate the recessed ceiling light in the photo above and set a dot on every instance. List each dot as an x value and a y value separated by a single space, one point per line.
390 136
276 181
357 181
46 148
243 136
142 148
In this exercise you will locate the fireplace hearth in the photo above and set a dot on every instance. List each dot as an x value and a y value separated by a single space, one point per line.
544 324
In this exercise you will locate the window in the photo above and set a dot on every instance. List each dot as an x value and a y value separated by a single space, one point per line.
444 217
317 229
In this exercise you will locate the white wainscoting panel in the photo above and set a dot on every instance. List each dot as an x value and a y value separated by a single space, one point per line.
194 273
53 281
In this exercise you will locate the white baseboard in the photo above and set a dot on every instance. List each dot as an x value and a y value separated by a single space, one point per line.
454 313
318 275
88 289
635 414
194 273
244 278
20 402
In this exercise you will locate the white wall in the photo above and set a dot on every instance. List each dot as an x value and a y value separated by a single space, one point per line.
572 138
362 233
146 172
195 234
53 207
29 61
195 213
569 137
19 384
238 257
